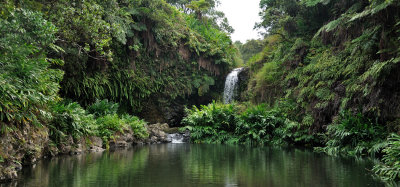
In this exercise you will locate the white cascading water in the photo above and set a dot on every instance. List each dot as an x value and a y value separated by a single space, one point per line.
176 138
231 85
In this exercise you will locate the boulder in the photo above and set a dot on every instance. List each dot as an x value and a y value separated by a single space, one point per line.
123 139
95 144
21 146
157 133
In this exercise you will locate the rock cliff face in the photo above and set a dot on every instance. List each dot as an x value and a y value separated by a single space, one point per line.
164 112
21 147
244 77
172 112
25 146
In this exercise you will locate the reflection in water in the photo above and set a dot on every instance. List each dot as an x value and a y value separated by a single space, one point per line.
198 165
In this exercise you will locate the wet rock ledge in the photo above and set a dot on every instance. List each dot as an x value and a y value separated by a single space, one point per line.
25 146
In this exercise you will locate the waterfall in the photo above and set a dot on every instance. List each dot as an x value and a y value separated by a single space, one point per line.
176 138
179 137
231 85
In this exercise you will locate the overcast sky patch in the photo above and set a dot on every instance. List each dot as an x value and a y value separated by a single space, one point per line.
242 16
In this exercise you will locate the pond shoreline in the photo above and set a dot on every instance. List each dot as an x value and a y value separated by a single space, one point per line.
198 165
26 146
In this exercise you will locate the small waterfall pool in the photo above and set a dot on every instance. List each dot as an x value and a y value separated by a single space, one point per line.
198 165
231 85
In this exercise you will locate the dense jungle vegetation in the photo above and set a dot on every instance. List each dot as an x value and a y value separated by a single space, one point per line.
67 64
326 77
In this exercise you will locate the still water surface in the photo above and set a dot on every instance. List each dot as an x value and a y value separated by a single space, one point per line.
199 165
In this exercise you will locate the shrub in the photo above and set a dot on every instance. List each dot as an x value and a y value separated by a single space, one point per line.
257 125
102 108
137 125
70 119
353 135
294 133
27 84
216 115
110 124
214 123
296 125
390 168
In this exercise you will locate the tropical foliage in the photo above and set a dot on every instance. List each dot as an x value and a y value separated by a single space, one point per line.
96 54
325 74
250 48
70 119
338 62
27 84
130 52
354 135
316 54
390 168
256 125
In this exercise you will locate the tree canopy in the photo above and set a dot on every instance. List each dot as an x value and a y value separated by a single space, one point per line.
130 51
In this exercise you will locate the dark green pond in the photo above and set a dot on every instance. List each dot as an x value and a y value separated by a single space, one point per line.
199 165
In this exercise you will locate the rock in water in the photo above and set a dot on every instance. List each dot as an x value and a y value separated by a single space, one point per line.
157 134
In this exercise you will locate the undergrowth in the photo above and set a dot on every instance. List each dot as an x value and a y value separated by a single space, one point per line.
389 169
351 134
101 119
257 125
354 135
